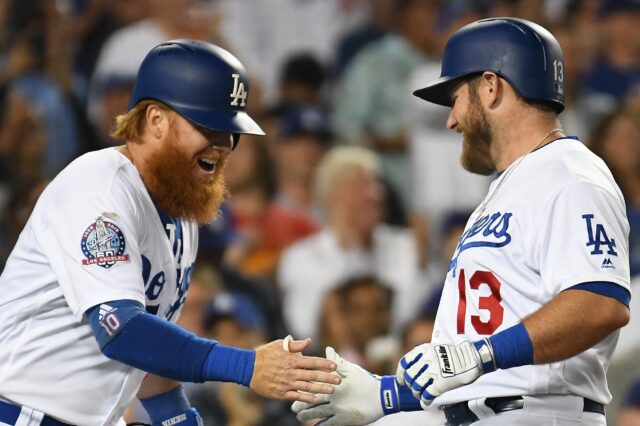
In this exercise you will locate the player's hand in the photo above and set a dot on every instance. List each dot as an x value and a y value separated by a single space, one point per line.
431 370
356 401
282 374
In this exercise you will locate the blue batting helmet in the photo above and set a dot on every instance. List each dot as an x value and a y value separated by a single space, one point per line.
204 83
522 52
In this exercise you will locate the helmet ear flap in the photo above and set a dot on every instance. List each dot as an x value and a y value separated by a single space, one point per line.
236 140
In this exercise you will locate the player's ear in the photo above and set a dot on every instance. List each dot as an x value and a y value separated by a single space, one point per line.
491 89
157 121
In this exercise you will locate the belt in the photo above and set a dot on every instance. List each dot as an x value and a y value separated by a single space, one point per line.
461 415
9 414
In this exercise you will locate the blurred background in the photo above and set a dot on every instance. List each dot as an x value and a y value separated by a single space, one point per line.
343 219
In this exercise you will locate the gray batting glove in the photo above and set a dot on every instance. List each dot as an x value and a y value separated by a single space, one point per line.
431 370
356 401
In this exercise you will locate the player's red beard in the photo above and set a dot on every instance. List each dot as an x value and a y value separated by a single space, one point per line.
478 135
176 191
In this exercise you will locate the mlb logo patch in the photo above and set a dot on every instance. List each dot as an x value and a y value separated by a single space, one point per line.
103 244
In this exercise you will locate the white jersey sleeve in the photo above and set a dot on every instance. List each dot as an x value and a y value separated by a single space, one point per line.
580 238
91 243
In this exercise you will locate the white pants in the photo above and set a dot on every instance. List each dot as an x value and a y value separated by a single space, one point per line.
542 410
30 417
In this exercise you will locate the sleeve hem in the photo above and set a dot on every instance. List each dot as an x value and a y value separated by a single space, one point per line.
102 298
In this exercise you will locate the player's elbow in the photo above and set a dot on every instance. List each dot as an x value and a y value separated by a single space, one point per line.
620 316
614 316
110 351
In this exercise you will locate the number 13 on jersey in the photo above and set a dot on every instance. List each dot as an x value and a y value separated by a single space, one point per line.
491 303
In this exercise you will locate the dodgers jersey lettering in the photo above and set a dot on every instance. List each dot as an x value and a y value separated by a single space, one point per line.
557 220
94 236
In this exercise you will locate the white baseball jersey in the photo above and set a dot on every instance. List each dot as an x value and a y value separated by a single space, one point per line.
557 220
94 236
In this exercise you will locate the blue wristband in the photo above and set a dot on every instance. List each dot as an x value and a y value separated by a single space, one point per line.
166 405
408 402
487 356
227 364
395 398
512 347
389 395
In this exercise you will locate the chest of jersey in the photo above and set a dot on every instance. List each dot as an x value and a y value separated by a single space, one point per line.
487 260
167 262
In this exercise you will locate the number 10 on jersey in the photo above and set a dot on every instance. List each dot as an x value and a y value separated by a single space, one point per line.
491 303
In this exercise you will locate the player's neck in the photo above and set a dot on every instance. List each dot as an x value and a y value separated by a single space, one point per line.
124 150
517 141
134 152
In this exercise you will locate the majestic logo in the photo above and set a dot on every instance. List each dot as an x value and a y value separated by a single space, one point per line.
445 363
597 237
238 94
491 230
607 264
103 244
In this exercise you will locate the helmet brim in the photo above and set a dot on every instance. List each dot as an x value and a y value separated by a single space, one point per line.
235 122
438 91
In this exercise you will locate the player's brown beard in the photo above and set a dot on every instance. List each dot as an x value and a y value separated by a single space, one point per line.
173 187
478 136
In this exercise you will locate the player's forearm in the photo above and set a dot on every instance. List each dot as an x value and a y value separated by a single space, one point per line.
572 322
153 385
569 324
150 344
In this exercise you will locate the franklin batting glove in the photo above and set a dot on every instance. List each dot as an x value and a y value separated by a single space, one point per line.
431 370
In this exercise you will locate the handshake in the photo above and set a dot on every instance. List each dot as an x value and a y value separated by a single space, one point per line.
424 373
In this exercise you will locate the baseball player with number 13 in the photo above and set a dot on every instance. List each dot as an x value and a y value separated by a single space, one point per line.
539 283
98 276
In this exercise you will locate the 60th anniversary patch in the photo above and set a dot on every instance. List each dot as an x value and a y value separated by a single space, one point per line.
103 244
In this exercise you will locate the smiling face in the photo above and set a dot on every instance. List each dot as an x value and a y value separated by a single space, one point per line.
185 171
468 117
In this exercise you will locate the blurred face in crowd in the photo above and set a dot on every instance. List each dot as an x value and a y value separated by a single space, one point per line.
629 417
357 201
621 145
230 332
192 314
418 332
621 30
450 242
298 156
418 19
175 12
367 311
114 102
241 166
186 166
468 117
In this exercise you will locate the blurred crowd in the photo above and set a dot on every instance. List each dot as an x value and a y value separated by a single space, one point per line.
341 221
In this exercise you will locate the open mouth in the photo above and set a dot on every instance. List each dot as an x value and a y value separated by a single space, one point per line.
207 164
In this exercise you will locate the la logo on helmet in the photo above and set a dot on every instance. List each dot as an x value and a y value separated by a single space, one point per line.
238 94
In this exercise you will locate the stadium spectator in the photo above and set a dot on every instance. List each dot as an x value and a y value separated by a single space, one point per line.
304 137
264 228
616 139
371 98
353 242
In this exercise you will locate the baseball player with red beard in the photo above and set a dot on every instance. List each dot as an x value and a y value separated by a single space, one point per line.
91 291
539 283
